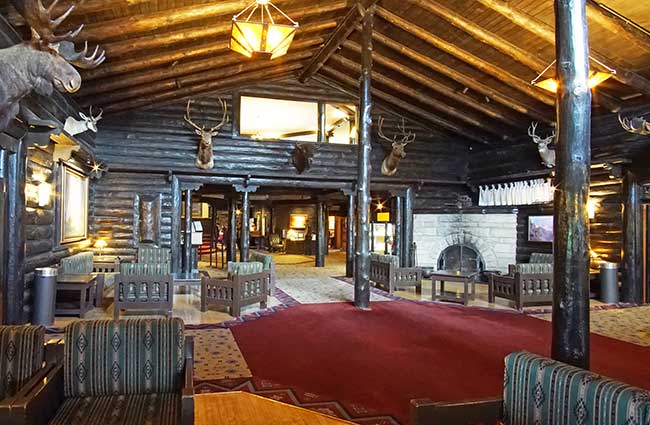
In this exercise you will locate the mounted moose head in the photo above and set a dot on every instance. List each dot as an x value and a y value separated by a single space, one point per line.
391 162
44 62
88 123
204 157
548 155
636 125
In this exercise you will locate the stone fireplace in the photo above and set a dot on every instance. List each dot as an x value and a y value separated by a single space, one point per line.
471 242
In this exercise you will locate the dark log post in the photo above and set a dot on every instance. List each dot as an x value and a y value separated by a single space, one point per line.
632 288
15 248
322 123
349 247
245 228
235 113
407 249
320 234
187 239
232 230
398 212
176 225
571 234
361 277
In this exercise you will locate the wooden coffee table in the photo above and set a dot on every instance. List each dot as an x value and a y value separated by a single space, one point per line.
467 279
84 285
240 408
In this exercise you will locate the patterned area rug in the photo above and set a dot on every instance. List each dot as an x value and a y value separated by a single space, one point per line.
350 411
630 324
288 259
321 290
217 356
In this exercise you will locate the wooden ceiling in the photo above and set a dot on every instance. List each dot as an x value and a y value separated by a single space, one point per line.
463 67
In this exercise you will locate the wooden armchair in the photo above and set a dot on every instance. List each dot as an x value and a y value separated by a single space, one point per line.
140 374
143 292
237 291
386 273
541 390
276 244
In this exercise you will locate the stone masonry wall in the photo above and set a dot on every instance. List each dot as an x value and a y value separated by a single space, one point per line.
494 236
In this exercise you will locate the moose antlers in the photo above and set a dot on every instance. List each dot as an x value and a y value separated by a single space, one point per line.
636 125
44 34
213 130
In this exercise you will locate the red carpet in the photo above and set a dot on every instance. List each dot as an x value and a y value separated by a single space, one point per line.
402 350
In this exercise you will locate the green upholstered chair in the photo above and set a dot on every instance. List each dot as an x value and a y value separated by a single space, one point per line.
83 263
268 264
386 274
276 244
22 356
136 371
151 255
143 288
538 390
247 283
526 283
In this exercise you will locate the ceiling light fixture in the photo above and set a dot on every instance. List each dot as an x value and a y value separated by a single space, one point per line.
595 77
261 38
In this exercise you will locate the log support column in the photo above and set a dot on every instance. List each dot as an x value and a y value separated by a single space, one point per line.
408 248
187 235
398 216
632 288
321 238
362 266
245 224
231 253
349 246
14 254
176 246
571 233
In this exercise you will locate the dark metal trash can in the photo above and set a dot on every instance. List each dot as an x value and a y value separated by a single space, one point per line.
609 283
44 296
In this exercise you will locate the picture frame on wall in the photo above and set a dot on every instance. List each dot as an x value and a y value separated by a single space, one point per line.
74 205
540 228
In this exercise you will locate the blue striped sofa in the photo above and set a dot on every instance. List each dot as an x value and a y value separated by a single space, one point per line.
538 390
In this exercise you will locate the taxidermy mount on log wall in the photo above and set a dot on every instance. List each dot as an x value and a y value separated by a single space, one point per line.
88 123
205 155
547 155
391 162
303 156
42 63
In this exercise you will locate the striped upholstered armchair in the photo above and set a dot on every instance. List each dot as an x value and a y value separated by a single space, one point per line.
22 367
133 372
538 390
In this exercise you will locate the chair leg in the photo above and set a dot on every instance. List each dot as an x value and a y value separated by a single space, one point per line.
263 304
235 311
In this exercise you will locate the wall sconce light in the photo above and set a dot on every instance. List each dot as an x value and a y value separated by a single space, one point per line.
100 245
592 206
39 193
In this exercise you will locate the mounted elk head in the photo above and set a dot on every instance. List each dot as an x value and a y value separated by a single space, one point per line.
548 155
43 63
398 143
636 125
303 156
205 157
87 123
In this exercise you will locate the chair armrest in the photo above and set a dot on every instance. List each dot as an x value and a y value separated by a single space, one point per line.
40 398
187 400
487 411
54 351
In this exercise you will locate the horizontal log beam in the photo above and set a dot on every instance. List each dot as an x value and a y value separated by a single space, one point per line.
432 118
82 8
433 103
436 86
278 69
342 32
208 48
470 82
467 57
617 24
121 86
547 33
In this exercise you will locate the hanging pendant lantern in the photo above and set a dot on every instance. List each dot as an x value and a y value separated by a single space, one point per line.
595 77
264 38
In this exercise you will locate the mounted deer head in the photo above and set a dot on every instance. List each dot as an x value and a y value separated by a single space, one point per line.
636 125
398 143
205 157
548 155
43 63
88 123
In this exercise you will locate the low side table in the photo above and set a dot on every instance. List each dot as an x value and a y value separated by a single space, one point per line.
467 279
187 280
84 285
103 264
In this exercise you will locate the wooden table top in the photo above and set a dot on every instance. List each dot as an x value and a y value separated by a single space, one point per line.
241 408
80 279
454 274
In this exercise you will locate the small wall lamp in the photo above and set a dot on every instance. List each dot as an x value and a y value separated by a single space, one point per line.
592 206
100 245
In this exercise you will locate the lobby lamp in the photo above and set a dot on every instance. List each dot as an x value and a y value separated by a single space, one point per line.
595 77
261 38
100 245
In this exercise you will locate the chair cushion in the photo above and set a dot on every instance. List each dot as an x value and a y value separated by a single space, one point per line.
134 409
266 260
533 268
540 257
134 356
154 255
130 269
21 355
242 269
544 391
81 263
387 259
